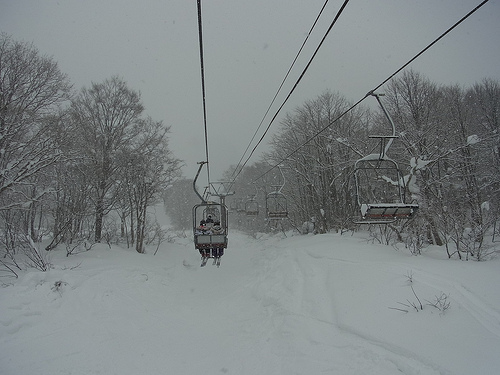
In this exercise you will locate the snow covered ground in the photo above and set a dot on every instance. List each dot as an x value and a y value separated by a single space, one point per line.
324 304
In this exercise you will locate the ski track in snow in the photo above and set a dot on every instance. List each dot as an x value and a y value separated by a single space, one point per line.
461 297
300 305
315 278
479 308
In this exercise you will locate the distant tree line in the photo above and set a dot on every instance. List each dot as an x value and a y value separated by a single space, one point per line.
448 148
68 159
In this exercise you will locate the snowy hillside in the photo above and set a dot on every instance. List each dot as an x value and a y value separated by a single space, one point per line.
325 304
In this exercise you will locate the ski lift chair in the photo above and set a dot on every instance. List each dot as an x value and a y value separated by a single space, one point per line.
276 202
240 206
380 188
252 206
233 206
380 191
208 239
276 205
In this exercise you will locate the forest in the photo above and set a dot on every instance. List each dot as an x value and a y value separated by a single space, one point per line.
78 168
447 149
82 167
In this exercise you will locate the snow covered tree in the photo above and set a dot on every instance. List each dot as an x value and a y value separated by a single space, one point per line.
447 151
446 134
32 88
147 169
416 106
318 172
70 204
484 100
126 159
105 119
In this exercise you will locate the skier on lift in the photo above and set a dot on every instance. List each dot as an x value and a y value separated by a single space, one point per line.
217 252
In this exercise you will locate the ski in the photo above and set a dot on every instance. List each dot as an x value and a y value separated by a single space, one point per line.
216 261
204 261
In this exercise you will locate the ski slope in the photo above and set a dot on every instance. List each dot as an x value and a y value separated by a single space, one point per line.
321 304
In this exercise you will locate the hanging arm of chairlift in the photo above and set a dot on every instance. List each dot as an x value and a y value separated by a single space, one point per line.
201 163
384 150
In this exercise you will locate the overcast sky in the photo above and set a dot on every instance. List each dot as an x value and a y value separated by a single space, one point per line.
249 45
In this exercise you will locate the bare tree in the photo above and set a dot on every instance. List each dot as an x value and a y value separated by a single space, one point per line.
318 171
31 88
416 105
127 161
484 100
105 118
447 151
148 167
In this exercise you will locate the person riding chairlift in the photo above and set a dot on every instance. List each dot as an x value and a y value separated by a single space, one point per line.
217 252
202 229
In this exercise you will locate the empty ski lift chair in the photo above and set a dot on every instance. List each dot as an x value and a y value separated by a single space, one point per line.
276 205
252 206
380 188
233 206
240 205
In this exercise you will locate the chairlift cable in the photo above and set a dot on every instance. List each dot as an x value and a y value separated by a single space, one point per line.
202 68
282 83
429 46
294 86
210 243
371 91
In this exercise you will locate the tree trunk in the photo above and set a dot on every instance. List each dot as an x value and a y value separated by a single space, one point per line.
99 214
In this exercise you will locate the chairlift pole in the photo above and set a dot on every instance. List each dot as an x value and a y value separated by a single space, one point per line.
222 200
386 113
283 177
201 163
